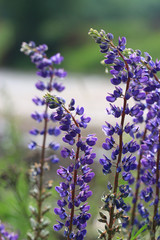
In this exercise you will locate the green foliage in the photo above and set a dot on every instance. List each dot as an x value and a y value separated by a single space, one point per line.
64 24
14 185
139 232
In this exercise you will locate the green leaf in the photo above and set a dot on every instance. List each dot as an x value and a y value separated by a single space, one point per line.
44 234
45 223
45 209
102 220
33 210
102 215
30 236
139 232
33 223
100 231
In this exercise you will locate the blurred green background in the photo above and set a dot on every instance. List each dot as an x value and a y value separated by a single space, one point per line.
64 24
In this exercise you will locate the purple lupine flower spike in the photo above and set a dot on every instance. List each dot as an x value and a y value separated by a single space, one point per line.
51 82
142 86
74 190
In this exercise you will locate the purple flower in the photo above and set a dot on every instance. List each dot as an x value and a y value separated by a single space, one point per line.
110 58
108 129
60 73
116 81
37 116
91 140
147 194
32 145
40 85
79 111
109 142
66 153
138 73
51 82
54 146
58 86
34 132
5 235
54 131
74 190
54 159
58 226
38 101
143 211
57 58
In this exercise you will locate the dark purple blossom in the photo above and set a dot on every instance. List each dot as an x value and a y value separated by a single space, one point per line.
60 73
58 226
91 140
40 85
54 146
143 211
32 145
57 58
34 132
54 131
54 159
147 194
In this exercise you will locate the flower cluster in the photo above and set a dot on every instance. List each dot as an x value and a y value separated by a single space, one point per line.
5 235
46 69
50 74
141 153
74 190
131 147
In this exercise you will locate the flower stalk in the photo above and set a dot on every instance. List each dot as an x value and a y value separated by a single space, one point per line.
74 190
116 179
142 84
39 188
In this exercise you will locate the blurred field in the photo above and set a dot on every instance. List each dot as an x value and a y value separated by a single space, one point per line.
64 27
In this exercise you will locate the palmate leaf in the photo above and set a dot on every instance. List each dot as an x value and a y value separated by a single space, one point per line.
139 232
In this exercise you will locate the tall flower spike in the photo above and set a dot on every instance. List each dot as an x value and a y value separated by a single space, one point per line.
142 85
46 70
147 160
126 68
74 190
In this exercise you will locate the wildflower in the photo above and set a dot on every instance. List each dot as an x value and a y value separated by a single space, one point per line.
74 189
50 75
142 85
